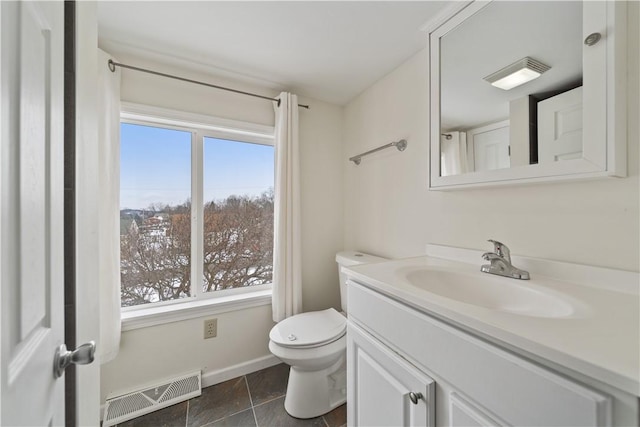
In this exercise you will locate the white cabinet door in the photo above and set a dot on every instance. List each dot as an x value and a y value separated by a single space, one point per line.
384 389
31 190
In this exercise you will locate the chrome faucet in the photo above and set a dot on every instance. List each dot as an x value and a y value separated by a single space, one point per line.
501 265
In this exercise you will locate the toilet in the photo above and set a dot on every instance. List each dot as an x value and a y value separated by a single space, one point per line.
314 344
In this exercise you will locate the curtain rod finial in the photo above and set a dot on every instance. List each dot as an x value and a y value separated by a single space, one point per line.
111 65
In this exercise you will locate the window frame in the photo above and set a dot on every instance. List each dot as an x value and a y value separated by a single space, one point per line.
200 302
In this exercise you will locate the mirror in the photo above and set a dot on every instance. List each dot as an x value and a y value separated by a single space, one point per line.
498 128
484 132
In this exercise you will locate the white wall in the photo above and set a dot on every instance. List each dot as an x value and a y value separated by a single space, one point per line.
322 203
153 353
390 211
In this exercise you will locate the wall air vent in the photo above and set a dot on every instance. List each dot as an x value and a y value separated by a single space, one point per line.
149 399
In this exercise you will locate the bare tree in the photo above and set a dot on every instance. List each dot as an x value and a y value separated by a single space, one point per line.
238 242
238 249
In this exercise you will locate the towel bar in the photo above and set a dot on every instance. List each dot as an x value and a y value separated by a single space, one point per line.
400 145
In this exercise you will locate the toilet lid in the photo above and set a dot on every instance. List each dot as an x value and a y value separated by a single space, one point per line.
309 329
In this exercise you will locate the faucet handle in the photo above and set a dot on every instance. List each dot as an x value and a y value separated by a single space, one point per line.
490 256
501 249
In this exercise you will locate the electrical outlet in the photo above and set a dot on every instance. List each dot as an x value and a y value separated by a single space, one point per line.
210 328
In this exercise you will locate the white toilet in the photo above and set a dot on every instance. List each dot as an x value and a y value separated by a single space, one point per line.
314 345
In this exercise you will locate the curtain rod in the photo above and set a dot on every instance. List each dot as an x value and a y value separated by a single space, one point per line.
112 66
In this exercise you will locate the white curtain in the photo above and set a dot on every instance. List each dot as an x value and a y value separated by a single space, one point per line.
287 287
453 157
109 207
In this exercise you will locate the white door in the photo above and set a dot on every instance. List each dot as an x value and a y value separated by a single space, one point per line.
490 146
560 127
31 231
385 390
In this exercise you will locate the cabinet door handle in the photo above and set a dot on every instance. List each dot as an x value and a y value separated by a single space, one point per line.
592 39
414 397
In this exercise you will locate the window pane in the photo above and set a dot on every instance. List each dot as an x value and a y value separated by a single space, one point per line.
155 214
238 214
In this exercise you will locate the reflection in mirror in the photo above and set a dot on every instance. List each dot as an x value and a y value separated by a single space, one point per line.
484 127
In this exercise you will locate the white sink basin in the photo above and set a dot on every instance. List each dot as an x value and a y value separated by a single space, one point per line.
514 296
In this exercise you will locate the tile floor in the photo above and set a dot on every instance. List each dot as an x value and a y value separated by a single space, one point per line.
255 399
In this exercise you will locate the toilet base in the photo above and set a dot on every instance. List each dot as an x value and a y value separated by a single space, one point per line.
311 394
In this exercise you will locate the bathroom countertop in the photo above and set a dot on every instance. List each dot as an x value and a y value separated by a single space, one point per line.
600 340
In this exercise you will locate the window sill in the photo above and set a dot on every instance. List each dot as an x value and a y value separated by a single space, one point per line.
154 316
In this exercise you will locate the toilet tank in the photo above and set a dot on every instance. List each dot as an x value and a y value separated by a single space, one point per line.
347 259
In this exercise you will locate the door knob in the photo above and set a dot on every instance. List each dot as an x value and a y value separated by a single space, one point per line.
82 355
414 397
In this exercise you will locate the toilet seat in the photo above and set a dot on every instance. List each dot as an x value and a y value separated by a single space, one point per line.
311 329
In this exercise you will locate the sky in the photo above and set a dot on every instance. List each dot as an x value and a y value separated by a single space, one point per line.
155 167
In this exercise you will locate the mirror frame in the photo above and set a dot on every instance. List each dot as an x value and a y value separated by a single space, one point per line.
604 106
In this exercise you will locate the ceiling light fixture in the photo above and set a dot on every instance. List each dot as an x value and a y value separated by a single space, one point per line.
518 73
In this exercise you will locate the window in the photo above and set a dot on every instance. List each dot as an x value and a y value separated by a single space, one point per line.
238 214
196 210
155 214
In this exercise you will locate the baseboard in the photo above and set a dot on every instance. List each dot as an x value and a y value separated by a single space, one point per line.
221 375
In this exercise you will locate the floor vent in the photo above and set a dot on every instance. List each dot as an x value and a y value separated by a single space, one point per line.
131 405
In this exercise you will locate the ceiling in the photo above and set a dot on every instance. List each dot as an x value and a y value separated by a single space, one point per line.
327 50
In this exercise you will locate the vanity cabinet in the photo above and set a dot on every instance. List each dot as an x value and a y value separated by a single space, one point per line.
476 382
